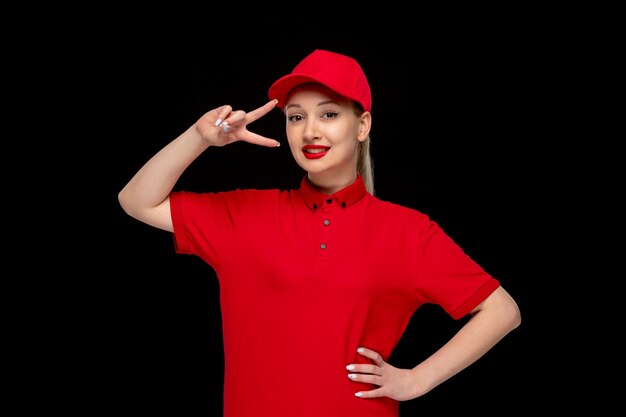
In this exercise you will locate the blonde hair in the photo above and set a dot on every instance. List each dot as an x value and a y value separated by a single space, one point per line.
364 161
365 164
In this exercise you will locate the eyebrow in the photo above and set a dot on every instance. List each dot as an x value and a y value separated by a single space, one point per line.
318 104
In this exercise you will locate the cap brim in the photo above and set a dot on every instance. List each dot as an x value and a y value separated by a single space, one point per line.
281 88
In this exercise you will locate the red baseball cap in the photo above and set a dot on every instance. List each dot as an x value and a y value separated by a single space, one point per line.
338 72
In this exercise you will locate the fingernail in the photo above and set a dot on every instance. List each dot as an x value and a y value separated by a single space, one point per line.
225 127
218 122
359 394
350 367
360 350
276 100
277 144
351 376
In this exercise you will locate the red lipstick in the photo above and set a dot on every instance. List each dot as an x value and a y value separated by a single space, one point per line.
314 151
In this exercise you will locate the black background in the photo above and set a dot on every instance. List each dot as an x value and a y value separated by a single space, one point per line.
458 133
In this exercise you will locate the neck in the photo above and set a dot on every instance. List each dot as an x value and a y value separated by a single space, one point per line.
330 184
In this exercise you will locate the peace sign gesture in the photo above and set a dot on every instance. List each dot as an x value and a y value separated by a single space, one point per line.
224 125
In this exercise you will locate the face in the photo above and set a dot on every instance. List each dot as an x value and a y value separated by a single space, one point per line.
324 131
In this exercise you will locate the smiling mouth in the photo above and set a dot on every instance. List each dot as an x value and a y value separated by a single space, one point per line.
315 152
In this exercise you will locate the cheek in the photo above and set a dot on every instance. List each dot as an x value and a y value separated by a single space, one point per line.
294 144
340 133
346 136
292 138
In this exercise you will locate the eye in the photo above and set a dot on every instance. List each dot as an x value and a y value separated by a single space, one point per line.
295 118
329 115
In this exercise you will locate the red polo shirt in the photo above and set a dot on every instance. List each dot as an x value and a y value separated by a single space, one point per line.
306 278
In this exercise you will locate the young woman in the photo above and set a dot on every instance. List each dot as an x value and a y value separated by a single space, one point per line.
318 284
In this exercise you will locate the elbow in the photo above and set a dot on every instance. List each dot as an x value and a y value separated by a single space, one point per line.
509 311
124 202
513 314
504 310
121 198
516 318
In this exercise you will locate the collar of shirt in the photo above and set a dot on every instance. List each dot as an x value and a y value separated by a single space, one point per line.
344 197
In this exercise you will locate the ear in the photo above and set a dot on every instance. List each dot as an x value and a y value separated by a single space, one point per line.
365 125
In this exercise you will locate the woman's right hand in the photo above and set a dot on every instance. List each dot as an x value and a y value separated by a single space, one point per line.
224 125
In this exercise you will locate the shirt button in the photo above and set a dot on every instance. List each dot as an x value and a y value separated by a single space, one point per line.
323 246
326 222
343 204
330 200
314 206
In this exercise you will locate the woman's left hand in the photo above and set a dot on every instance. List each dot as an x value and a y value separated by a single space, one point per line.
392 382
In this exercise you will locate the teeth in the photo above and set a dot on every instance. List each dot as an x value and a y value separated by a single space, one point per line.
315 150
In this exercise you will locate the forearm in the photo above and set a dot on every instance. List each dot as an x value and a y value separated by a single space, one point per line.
152 184
495 318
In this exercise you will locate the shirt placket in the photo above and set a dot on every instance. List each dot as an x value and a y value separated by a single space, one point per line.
326 241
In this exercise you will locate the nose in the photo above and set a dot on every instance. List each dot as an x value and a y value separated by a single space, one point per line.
311 129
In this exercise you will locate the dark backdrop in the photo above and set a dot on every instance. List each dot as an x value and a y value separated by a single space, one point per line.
454 135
